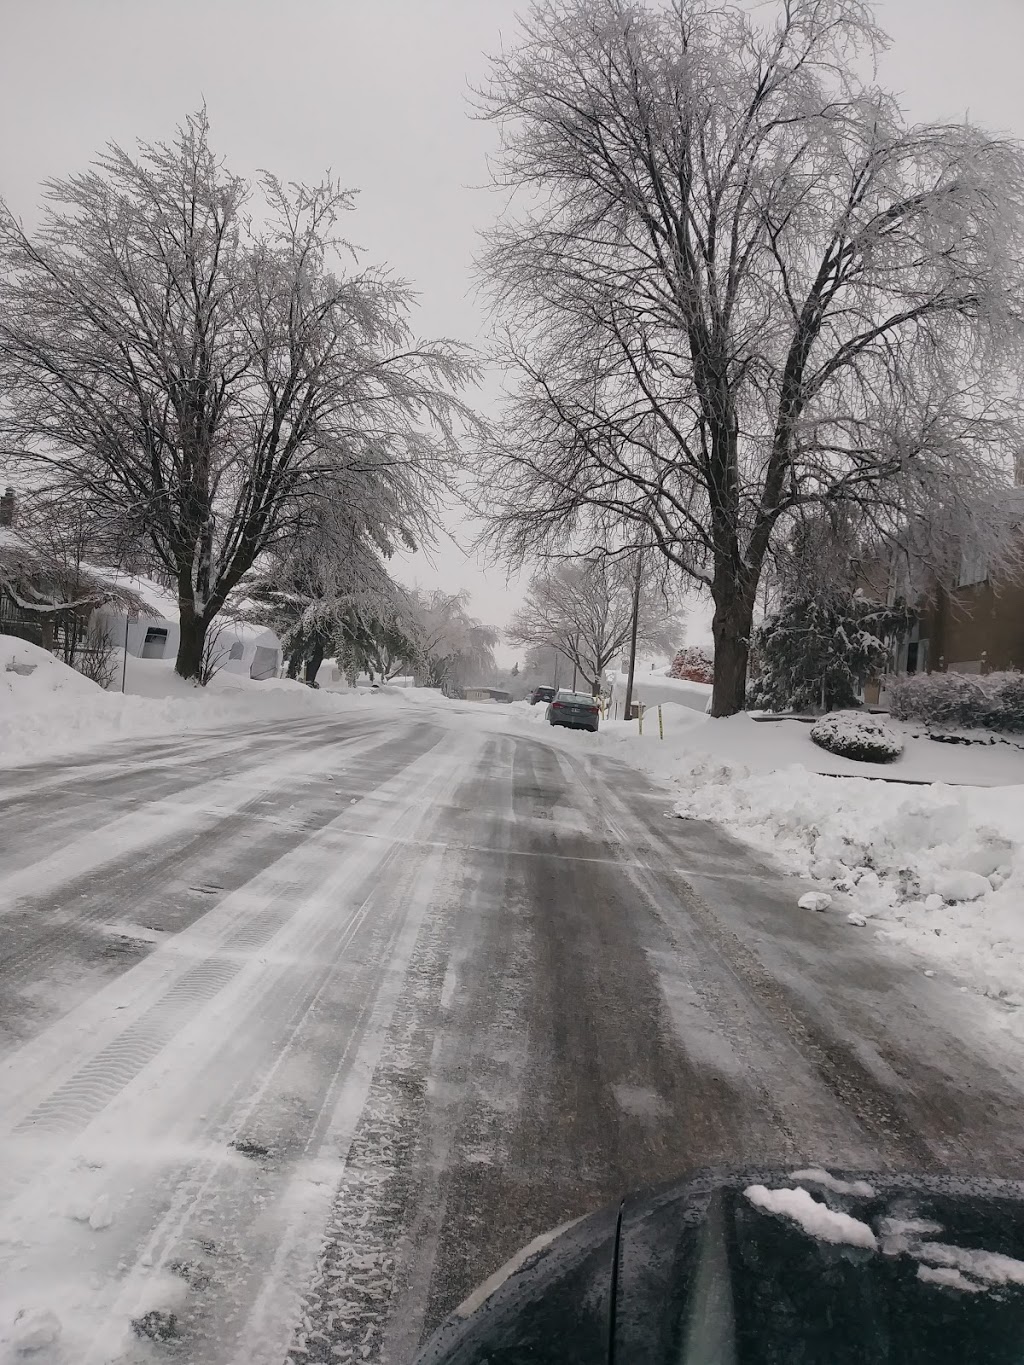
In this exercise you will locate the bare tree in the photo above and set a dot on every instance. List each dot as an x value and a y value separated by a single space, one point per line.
749 287
327 582
451 647
584 609
96 656
162 353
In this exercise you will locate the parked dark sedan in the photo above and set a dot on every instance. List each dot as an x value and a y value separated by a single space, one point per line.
541 694
578 710
763 1268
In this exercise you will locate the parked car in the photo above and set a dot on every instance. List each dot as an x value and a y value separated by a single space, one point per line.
577 710
542 694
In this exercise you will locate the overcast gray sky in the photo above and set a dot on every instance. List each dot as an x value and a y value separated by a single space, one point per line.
376 90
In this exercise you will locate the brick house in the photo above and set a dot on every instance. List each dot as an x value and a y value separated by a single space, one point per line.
974 626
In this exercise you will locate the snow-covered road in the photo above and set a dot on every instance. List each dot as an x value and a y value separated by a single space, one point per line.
305 1029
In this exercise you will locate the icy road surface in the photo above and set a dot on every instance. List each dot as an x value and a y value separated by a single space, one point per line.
304 1030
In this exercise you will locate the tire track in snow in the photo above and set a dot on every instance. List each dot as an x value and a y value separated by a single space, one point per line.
40 932
164 1095
32 1074
170 817
440 1099
344 1313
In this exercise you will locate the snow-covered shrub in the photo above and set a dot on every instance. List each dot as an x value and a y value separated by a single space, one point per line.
960 701
821 646
693 665
852 734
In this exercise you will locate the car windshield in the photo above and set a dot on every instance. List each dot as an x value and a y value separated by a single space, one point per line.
581 698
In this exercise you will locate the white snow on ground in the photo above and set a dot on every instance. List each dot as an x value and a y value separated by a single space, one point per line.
938 868
48 709
115 1120
816 1219
934 862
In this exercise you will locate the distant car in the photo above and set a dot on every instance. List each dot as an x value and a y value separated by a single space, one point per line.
577 710
542 694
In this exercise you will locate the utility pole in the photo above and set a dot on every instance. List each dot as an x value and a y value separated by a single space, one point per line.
632 632
556 671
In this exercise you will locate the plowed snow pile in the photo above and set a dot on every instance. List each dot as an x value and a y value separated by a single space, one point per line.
46 708
938 867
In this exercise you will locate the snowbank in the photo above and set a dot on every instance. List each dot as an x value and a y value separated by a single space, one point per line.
652 688
936 867
47 708
933 860
764 746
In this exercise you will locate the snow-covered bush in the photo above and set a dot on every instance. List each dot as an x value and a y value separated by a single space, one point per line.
852 734
821 646
693 664
960 701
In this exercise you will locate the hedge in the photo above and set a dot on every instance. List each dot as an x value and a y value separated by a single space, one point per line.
960 701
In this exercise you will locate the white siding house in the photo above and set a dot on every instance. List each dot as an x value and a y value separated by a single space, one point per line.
238 647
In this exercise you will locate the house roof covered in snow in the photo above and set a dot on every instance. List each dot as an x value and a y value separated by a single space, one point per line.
39 580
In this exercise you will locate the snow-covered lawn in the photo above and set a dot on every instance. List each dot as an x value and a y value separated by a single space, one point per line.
933 861
48 709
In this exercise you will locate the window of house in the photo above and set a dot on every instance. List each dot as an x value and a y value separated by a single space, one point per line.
973 566
155 642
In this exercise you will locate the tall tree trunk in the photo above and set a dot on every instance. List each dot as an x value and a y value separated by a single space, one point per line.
314 659
294 663
191 640
731 625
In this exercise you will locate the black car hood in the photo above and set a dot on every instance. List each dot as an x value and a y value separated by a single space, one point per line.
764 1266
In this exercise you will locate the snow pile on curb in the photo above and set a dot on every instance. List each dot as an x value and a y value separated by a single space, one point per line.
47 708
936 867
651 688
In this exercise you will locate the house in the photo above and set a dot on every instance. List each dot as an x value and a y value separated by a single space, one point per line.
487 694
51 601
975 627
972 623
54 599
239 647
